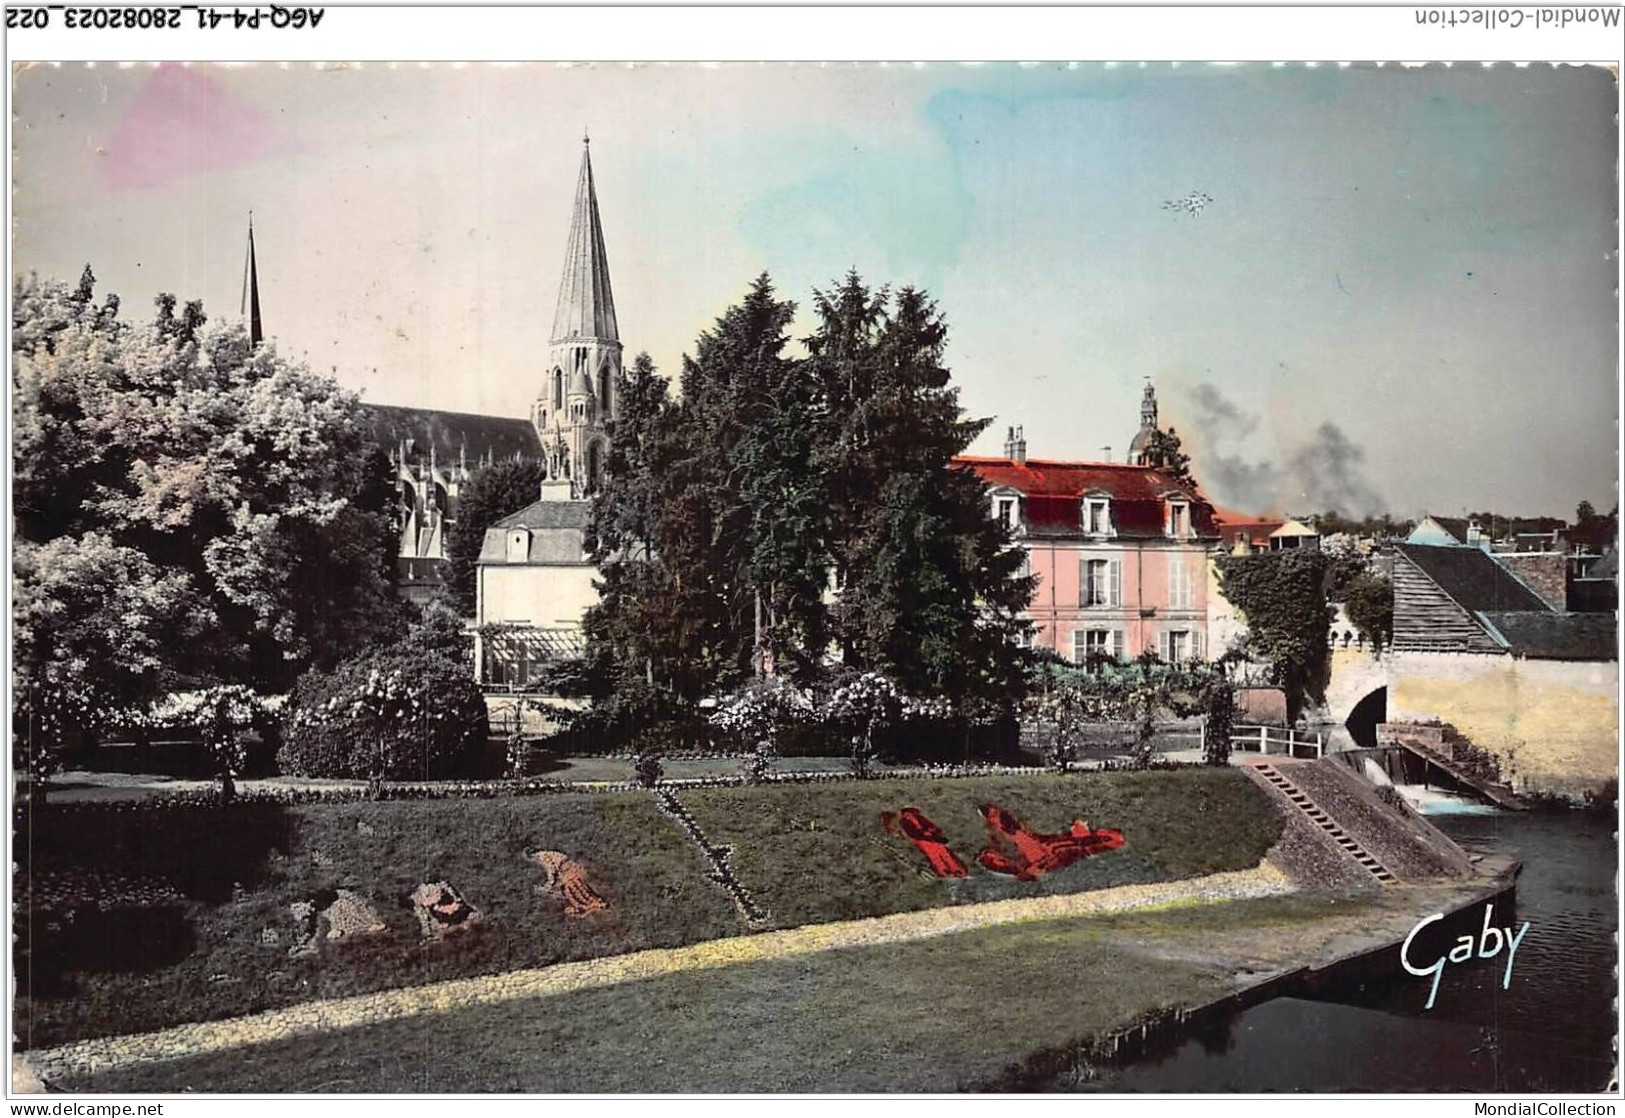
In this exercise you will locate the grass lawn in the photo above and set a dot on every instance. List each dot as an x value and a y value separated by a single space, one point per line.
813 853
238 870
932 1015
938 1014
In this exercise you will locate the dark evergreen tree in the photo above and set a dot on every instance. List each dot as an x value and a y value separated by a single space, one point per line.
726 513
930 587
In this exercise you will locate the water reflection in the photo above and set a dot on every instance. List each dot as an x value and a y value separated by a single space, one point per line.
1551 1030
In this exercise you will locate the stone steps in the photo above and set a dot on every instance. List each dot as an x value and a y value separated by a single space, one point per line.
1299 799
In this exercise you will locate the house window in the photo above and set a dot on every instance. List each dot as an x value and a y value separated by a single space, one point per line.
518 546
1101 582
1007 512
1097 519
1179 645
1092 647
1179 584
1179 519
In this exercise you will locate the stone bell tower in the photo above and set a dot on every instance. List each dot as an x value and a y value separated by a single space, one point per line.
577 401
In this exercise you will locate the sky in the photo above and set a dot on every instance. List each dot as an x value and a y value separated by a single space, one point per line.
1396 291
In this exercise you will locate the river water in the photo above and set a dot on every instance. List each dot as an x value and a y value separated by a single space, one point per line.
1552 1029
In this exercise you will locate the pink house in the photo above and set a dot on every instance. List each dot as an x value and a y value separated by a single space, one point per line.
1120 553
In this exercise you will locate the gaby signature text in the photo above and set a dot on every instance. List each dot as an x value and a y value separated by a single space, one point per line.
1487 945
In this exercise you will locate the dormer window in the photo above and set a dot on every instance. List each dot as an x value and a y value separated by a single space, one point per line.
1006 508
1179 518
1096 514
518 550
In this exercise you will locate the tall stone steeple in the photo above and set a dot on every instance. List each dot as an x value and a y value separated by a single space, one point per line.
251 290
577 402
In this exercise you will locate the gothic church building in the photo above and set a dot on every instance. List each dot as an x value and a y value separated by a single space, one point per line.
534 582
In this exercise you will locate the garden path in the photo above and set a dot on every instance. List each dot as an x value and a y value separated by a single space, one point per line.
105 1053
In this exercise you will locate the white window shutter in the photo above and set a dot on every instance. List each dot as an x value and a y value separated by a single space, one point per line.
1117 582
1162 646
1083 582
1117 644
1199 644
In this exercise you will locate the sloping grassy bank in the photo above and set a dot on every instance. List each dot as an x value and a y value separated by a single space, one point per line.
137 917
812 853
236 869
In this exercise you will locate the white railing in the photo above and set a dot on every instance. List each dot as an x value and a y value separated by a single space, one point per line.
1277 740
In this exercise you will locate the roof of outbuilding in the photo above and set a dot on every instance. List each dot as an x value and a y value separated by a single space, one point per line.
545 514
1473 579
1557 636
557 535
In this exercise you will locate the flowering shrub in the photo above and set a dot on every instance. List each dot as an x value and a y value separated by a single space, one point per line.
221 716
53 712
756 714
395 714
861 704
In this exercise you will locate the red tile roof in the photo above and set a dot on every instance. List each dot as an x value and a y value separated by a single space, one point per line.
1053 490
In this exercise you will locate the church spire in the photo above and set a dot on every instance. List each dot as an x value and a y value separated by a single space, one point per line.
579 397
586 307
251 290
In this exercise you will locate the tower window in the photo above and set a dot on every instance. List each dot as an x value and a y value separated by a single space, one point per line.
558 387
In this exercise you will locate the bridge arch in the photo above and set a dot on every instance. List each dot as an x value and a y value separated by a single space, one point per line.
1366 715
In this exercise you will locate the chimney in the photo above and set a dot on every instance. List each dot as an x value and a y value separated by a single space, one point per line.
1015 446
1105 454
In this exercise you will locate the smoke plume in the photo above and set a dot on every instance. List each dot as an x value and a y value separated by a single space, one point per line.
1324 473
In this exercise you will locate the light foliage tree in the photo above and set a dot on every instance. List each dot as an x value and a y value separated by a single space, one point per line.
189 509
